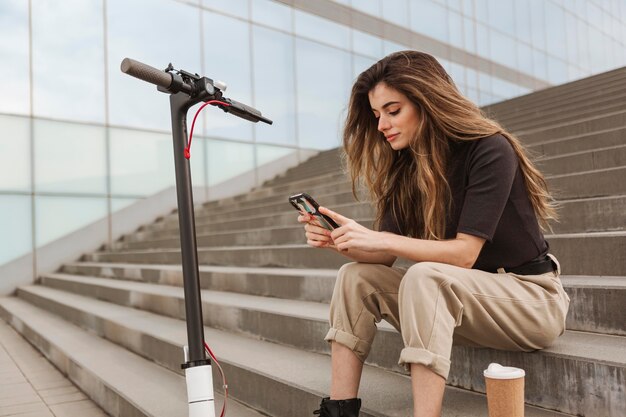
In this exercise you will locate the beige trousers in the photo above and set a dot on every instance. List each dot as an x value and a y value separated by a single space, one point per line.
431 304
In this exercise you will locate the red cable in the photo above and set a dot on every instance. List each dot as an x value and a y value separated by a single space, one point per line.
188 147
224 384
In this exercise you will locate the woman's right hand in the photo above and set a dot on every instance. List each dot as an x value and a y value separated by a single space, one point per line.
316 235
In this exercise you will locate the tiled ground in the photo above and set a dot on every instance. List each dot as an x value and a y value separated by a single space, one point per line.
31 387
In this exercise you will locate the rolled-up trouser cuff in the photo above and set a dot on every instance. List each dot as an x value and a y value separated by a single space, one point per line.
360 347
436 363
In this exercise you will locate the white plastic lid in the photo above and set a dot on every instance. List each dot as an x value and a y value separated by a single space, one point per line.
497 371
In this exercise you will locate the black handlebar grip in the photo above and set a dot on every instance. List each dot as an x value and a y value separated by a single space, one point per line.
146 72
242 107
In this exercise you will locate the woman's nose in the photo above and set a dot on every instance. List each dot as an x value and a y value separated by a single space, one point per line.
383 124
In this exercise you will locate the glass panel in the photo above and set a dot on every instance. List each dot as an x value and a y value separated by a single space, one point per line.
455 25
482 41
502 16
457 72
133 102
120 203
396 11
228 62
468 8
503 88
142 163
522 21
572 45
367 6
525 58
14 83
321 109
266 154
598 53
538 25
58 216
391 47
484 84
540 65
583 44
235 7
16 226
361 63
197 161
68 70
366 44
322 30
14 153
482 10
557 71
455 4
555 31
69 157
274 14
469 30
502 49
471 77
228 159
274 83
430 19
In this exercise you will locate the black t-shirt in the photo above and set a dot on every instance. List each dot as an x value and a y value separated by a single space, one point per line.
489 200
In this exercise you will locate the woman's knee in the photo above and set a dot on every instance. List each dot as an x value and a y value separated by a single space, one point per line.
422 277
359 279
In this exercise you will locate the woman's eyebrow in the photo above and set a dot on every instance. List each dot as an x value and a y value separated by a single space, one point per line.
387 105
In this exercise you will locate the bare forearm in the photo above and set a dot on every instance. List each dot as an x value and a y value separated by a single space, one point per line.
368 257
459 251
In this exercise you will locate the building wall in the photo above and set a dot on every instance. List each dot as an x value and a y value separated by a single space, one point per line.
80 140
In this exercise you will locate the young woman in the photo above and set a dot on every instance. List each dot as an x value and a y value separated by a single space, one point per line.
457 195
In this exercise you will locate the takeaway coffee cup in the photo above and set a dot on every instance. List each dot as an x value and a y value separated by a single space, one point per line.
505 390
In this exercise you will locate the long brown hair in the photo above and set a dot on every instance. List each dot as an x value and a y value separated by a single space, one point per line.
412 183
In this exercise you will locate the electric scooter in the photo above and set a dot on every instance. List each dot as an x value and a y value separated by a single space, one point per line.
186 90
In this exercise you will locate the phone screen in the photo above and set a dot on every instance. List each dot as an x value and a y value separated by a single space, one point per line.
303 202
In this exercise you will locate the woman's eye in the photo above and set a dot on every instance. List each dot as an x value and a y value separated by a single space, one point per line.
393 113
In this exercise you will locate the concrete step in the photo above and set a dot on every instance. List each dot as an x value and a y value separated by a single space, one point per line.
277 380
582 126
599 253
586 292
268 195
570 112
581 142
600 158
280 208
594 214
119 381
605 82
597 183
289 283
577 215
274 320
568 108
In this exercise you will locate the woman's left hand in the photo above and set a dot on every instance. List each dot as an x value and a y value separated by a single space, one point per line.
351 235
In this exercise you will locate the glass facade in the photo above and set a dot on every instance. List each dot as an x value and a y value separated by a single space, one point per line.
79 139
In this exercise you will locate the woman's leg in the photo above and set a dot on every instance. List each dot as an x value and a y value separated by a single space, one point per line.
501 311
364 294
346 375
428 388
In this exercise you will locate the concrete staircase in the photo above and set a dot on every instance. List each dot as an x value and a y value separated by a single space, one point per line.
113 320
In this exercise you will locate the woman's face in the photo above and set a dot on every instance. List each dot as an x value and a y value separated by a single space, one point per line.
397 116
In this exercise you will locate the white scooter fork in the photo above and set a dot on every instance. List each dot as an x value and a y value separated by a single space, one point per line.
200 395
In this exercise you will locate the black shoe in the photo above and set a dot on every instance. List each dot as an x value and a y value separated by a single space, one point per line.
339 408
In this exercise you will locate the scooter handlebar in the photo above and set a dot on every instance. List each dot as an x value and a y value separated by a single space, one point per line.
146 73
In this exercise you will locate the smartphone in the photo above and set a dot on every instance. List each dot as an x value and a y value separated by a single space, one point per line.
305 203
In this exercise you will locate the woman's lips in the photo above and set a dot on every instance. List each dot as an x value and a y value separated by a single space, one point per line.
391 137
